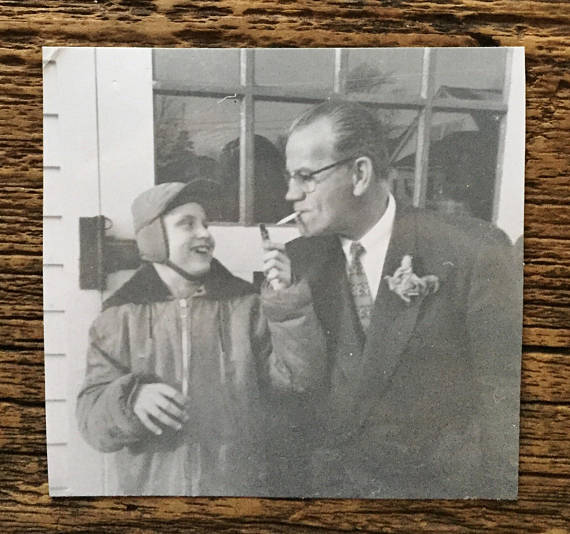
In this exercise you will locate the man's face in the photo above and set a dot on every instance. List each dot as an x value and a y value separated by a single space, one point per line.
190 243
324 210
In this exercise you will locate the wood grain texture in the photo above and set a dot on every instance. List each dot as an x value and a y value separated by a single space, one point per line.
541 26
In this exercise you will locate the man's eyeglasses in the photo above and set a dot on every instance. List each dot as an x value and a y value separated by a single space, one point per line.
307 182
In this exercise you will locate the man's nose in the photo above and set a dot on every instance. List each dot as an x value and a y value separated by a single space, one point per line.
294 192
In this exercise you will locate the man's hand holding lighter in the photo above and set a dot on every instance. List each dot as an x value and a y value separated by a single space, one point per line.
276 263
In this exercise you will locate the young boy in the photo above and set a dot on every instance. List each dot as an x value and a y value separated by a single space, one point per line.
180 362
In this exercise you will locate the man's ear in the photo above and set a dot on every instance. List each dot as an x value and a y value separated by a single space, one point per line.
362 175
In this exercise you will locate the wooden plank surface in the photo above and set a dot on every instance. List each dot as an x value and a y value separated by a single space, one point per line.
541 26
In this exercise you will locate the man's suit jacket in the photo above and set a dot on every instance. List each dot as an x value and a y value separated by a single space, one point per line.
426 403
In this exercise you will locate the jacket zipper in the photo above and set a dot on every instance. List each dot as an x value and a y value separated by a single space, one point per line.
221 350
185 345
196 455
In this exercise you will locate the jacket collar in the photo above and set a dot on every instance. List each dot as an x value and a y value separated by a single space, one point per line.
146 286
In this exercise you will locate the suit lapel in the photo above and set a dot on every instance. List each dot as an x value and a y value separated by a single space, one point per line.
392 320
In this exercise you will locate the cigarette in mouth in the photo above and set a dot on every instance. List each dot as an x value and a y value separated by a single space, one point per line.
287 219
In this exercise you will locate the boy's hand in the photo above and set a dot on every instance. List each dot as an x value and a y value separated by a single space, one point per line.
160 403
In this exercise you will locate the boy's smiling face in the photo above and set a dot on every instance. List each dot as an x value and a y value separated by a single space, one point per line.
190 243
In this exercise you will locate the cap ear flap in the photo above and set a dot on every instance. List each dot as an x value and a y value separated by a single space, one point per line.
151 241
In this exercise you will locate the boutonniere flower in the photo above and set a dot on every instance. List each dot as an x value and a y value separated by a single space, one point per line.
407 285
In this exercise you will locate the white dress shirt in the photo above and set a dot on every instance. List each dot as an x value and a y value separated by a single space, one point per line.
375 243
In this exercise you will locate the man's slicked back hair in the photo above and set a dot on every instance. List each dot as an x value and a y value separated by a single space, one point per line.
357 131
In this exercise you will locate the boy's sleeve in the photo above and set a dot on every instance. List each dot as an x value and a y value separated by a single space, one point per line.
298 356
104 405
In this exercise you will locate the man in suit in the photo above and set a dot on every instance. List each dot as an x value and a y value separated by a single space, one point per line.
419 394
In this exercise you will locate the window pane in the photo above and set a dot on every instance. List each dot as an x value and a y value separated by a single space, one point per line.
272 120
203 66
472 73
462 163
191 134
295 69
385 71
397 124
401 126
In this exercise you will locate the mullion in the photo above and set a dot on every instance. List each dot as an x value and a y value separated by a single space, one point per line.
421 165
340 70
247 136
502 138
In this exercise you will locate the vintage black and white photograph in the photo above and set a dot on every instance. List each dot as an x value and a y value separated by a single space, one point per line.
283 272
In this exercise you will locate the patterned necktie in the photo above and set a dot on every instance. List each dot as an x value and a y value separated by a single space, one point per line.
359 285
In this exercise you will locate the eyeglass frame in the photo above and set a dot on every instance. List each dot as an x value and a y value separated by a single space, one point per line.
308 183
